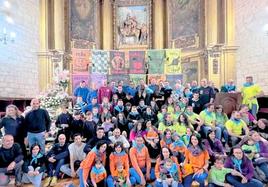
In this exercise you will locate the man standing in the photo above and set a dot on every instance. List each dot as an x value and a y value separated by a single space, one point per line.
104 91
82 91
11 159
206 93
250 92
37 125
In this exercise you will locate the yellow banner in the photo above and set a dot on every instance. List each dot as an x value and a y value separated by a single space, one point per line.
173 61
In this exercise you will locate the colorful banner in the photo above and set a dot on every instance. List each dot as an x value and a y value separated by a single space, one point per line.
158 78
173 61
156 61
136 78
117 78
98 79
77 78
100 61
81 60
118 63
137 62
172 79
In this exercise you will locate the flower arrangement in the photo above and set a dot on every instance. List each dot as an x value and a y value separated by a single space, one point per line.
63 79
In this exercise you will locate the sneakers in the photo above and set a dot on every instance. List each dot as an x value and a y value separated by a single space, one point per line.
47 182
54 181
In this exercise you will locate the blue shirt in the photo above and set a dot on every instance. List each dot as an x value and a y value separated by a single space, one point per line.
81 92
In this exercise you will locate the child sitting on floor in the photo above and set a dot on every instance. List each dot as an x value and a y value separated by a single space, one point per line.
98 174
121 178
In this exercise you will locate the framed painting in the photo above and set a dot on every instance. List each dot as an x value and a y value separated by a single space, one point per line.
84 23
132 24
190 69
185 21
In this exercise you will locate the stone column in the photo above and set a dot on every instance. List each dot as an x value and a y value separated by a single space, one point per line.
59 34
107 25
211 22
158 24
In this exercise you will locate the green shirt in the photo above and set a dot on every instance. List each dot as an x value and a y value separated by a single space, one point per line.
208 117
217 176
251 148
221 119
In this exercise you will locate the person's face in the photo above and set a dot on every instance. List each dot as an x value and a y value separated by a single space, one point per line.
256 137
196 96
219 164
116 132
11 111
212 135
139 126
83 84
95 111
219 110
189 109
77 117
182 118
118 149
134 109
149 124
120 89
8 142
62 139
120 116
103 148
78 140
100 133
170 100
194 141
204 83
244 109
168 134
168 165
237 115
141 103
94 101
238 153
115 97
98 165
169 118
194 83
35 104
165 153
211 108
261 124
148 110
249 80
104 83
120 103
177 108
35 150
139 141
120 168
164 110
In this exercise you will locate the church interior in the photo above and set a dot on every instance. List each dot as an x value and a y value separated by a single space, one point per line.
50 48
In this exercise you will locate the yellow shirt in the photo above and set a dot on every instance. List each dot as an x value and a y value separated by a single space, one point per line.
235 127
249 93
180 129
208 118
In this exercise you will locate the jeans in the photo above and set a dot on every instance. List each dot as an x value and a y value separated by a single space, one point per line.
135 178
18 174
213 185
35 180
199 178
234 140
224 132
110 181
206 128
162 184
236 181
38 138
55 166
264 168
254 109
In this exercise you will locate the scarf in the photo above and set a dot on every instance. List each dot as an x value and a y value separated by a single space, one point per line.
208 113
168 141
119 108
195 150
98 170
236 121
35 158
237 164
122 153
248 84
139 148
230 87
178 143
257 144
189 113
96 151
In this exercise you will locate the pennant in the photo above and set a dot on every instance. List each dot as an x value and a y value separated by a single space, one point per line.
137 62
173 61
100 61
136 78
98 79
81 60
118 63
156 61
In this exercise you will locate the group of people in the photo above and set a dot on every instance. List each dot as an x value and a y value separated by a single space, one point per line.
150 135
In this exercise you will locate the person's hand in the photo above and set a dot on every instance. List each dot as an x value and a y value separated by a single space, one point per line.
30 173
11 166
169 180
147 176
143 182
94 184
26 141
199 172
227 185
257 155
46 134
36 173
198 128
51 159
73 174
244 180
86 184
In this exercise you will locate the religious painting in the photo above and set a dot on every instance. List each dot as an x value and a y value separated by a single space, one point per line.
132 24
77 78
184 23
190 70
81 60
118 63
137 62
84 20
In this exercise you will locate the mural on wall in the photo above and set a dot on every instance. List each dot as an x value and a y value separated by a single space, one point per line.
184 23
84 20
190 71
132 24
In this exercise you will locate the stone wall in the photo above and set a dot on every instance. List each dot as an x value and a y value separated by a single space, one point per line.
251 16
18 60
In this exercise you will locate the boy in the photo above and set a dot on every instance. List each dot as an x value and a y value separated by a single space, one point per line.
98 174
169 174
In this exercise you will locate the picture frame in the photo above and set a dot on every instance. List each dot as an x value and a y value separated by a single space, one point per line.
132 24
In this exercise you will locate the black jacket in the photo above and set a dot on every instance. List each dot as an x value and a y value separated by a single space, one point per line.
37 121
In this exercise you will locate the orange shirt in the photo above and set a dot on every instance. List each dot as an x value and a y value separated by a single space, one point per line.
88 162
114 159
181 149
163 143
151 134
197 162
98 177
140 159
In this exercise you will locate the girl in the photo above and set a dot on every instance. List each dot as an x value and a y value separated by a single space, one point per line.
138 130
34 166
121 123
166 139
181 125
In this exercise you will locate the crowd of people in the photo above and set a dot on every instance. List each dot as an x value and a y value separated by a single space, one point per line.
123 135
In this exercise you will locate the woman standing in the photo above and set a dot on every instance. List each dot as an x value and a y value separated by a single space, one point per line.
196 160
14 125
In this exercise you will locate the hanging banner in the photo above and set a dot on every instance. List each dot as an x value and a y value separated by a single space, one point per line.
77 78
136 78
137 62
81 60
98 79
118 63
117 78
156 61
158 77
172 79
100 61
173 61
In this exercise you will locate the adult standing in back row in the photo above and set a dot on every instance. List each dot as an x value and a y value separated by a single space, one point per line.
37 125
206 93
